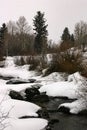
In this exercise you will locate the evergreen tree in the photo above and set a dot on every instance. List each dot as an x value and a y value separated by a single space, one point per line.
41 32
3 31
66 35
72 38
67 40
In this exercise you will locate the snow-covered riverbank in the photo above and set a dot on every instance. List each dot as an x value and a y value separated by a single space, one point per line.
54 85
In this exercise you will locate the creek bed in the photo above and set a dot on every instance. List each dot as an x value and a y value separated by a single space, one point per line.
66 121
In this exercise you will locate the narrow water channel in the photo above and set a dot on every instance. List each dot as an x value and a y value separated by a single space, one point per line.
66 121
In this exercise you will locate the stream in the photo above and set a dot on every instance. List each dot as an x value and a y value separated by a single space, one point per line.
66 121
57 120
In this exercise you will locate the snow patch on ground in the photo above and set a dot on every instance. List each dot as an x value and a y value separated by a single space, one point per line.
26 124
54 77
76 78
60 89
14 109
11 70
17 108
76 106
54 85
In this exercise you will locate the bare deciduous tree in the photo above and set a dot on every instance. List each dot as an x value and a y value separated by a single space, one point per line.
20 37
12 27
22 25
80 33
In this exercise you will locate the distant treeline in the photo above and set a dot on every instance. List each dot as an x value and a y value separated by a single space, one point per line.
19 38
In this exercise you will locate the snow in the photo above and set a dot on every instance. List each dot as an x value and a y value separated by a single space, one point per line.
15 72
74 88
11 70
9 62
5 88
19 108
76 78
54 77
76 106
26 124
60 89
53 84
51 78
19 87
14 109
4 97
49 58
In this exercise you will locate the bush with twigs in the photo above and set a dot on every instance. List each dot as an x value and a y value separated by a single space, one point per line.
68 61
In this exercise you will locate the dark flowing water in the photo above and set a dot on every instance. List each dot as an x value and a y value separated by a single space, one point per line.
66 121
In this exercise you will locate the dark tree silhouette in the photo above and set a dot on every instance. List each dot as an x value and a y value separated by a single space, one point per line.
3 31
41 32
72 38
66 35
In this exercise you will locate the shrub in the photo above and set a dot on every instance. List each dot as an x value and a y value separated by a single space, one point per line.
84 69
20 61
37 63
34 63
68 61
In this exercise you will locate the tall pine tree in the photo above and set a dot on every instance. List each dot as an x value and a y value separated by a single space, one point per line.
66 35
3 31
41 33
67 39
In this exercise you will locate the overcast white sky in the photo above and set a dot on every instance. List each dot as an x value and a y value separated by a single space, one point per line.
59 13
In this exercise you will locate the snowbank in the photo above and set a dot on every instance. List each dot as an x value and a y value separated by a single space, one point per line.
11 70
55 77
26 124
16 72
60 89
51 78
54 85
76 106
17 108
76 78
9 62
